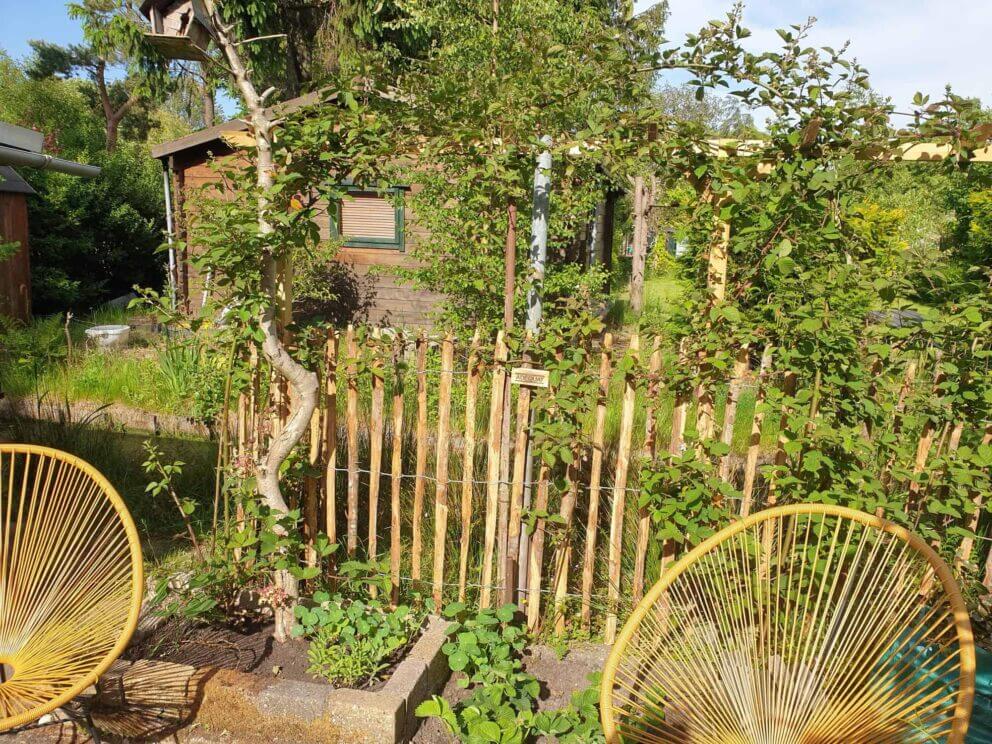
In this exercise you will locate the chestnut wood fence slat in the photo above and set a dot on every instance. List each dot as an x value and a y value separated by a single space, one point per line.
590 553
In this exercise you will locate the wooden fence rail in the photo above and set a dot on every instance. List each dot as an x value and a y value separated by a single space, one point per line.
425 420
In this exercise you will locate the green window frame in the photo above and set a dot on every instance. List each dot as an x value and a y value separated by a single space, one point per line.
394 194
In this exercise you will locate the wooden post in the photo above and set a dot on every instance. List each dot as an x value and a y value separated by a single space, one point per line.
680 409
810 427
255 395
730 411
536 554
705 418
923 449
376 427
330 433
563 551
640 245
421 472
716 274
505 479
512 555
987 579
754 440
675 443
967 543
495 435
897 417
509 266
468 463
396 483
650 435
609 214
441 473
595 476
352 430
310 507
619 495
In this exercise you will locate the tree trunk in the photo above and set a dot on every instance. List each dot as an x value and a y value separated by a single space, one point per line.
640 246
209 109
303 382
112 125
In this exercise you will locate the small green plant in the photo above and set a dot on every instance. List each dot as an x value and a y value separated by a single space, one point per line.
561 640
352 641
486 647
166 473
576 723
179 361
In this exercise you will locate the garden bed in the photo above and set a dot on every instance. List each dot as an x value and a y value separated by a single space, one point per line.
204 702
251 650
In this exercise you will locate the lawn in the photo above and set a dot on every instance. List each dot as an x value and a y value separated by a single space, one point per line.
152 373
661 294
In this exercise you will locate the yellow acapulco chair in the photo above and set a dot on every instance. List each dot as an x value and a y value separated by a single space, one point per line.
70 581
803 624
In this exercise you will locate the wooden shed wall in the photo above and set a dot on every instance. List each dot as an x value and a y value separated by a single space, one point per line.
15 272
368 285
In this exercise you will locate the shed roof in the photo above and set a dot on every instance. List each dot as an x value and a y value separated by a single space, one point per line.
12 183
214 133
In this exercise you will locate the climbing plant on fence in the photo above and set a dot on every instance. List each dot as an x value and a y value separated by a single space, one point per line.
399 458
789 336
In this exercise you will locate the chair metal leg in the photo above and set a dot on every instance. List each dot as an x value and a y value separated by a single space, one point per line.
79 713
91 729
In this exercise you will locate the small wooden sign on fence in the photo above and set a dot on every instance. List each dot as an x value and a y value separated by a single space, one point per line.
538 378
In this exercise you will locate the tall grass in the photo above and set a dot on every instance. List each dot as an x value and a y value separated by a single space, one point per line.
35 361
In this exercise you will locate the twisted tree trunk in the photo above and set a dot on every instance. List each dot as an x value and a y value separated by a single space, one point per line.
303 382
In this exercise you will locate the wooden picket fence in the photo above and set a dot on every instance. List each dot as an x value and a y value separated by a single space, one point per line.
422 445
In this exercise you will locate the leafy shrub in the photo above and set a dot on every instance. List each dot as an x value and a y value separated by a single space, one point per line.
27 349
486 647
353 641
233 581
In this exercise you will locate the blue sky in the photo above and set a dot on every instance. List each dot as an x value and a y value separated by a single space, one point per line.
21 20
907 45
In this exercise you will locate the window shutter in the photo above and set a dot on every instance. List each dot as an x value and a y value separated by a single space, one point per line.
368 217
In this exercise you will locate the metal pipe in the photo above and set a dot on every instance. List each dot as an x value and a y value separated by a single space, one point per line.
168 233
23 158
595 242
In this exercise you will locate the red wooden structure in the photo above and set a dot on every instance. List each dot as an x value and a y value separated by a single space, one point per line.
15 272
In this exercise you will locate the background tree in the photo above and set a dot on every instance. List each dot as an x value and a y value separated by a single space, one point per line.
114 44
91 239
558 69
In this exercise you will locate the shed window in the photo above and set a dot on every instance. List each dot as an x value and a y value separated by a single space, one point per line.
371 219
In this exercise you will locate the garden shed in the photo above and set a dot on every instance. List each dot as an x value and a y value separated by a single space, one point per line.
22 148
15 271
379 231
378 234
